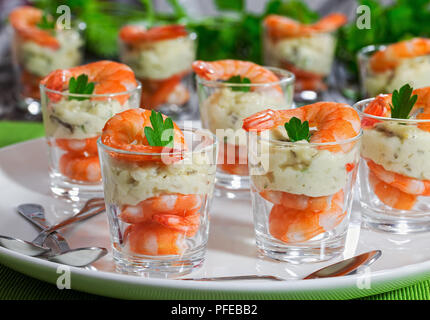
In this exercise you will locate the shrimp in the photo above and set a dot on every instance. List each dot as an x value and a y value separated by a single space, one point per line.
380 106
391 56
403 183
283 27
297 201
88 145
334 122
173 204
24 20
225 69
390 195
188 224
110 78
238 165
80 167
126 131
290 225
154 239
133 34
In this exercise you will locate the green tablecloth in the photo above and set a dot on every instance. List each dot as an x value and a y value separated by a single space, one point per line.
14 285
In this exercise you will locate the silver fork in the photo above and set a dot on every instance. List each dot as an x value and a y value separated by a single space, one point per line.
91 208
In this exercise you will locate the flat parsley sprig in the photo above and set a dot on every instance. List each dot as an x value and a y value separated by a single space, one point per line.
402 102
46 23
156 135
239 80
80 85
297 130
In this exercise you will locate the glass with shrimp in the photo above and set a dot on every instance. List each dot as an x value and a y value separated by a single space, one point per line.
229 91
385 68
157 194
161 58
76 103
303 164
394 171
306 50
39 46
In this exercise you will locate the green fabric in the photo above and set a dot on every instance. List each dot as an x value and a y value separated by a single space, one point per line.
14 285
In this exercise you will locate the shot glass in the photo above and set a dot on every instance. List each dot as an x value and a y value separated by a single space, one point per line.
310 58
73 123
413 70
158 211
163 66
32 61
301 196
394 174
223 106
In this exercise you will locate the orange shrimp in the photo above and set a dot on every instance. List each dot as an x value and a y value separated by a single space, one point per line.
334 122
225 69
126 131
24 20
380 106
403 183
110 78
290 225
174 204
240 161
80 167
391 56
188 224
297 201
88 145
283 27
154 239
390 195
133 34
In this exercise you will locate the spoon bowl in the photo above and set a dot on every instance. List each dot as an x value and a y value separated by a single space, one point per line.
80 257
21 246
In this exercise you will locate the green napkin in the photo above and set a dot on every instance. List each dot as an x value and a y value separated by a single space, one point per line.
14 285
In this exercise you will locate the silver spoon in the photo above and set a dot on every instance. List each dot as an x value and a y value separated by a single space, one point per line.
76 257
341 268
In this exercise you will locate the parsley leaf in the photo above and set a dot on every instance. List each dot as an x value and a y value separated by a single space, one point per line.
297 130
239 80
156 135
80 85
402 102
46 23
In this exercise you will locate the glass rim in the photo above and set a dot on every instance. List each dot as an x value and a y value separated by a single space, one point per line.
365 51
310 144
192 35
289 79
43 88
213 145
362 114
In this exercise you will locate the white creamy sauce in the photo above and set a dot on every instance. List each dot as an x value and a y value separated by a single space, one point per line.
40 60
314 53
400 148
415 71
79 119
129 184
160 59
303 169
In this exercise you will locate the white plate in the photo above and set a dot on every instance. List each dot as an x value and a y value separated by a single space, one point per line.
231 248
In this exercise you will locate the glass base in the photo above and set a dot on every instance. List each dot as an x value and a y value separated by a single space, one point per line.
165 267
232 186
397 221
312 252
74 191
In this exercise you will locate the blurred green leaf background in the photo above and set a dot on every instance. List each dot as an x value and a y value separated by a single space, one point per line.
236 33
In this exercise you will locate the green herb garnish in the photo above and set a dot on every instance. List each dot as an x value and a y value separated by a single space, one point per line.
80 85
297 130
157 136
402 102
46 23
239 80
